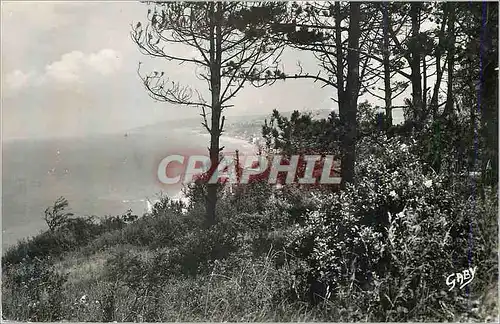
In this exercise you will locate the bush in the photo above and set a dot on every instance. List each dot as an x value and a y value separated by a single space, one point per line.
165 227
65 234
391 239
74 233
33 291
56 216
39 246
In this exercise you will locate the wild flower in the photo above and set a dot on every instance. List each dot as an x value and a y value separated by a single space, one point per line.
83 299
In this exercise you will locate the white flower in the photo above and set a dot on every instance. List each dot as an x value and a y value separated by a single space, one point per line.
410 183
428 183
404 147
393 194
83 299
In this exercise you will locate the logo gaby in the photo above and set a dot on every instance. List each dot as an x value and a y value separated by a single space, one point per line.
463 278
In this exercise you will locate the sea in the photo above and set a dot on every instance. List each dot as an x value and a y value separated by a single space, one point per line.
99 175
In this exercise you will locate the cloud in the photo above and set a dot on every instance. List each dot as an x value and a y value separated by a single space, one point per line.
18 79
73 67
105 62
67 69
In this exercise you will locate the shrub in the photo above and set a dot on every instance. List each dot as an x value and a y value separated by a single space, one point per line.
39 246
164 228
33 291
390 239
65 234
74 233
56 216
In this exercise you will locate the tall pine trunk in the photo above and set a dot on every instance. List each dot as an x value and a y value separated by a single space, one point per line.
448 109
215 84
387 68
489 100
416 77
439 70
350 103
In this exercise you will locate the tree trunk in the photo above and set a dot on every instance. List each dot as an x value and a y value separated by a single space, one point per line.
351 102
439 70
340 82
215 84
387 69
339 58
448 109
489 101
424 80
416 77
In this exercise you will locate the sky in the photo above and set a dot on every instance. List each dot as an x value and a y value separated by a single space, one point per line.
70 69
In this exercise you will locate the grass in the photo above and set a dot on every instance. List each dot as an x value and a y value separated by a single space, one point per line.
167 267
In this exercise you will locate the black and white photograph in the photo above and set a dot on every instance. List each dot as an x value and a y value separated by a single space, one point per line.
249 161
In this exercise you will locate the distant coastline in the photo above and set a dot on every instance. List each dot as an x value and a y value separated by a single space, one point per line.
107 174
